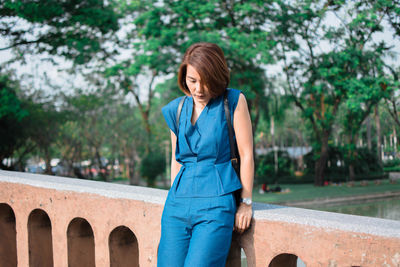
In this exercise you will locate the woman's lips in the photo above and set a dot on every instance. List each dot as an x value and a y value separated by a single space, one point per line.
200 96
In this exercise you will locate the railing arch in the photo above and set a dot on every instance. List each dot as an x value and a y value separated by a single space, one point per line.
8 238
81 250
124 248
40 239
284 260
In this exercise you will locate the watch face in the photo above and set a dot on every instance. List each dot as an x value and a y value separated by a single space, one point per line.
247 201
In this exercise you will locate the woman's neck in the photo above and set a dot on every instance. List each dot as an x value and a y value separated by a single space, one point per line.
199 105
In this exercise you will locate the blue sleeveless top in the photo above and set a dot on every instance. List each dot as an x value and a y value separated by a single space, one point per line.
203 148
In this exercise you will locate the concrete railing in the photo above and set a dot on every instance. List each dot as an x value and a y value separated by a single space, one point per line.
55 221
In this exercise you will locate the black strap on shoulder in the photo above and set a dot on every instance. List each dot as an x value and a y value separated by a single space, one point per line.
234 150
178 112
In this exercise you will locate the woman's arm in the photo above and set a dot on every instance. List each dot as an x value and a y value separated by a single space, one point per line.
244 140
175 166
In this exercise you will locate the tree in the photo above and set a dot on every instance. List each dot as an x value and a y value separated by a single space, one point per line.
28 124
365 90
76 30
320 78
164 30
90 111
12 113
128 139
71 147
392 101
43 124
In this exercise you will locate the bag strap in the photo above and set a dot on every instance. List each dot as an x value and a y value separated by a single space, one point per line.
234 149
178 112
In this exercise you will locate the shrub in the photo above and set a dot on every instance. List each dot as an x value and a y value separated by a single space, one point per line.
153 164
391 163
265 171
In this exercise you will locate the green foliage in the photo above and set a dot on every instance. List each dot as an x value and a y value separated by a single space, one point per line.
10 103
333 73
392 169
151 166
73 29
43 125
391 163
28 124
164 30
265 171
12 114
365 163
349 69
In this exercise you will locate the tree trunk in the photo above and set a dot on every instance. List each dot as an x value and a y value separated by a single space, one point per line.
274 146
131 162
395 140
352 174
378 134
112 171
351 161
256 118
320 164
369 142
351 154
133 179
102 169
48 161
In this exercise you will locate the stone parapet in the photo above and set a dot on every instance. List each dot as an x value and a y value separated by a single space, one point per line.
56 221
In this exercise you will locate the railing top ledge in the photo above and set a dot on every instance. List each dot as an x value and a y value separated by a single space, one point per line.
328 221
111 190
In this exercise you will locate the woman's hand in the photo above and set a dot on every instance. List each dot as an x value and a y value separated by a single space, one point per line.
243 217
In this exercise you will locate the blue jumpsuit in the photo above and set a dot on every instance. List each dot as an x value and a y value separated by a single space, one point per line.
199 213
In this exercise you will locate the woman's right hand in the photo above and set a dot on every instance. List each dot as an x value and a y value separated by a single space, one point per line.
243 217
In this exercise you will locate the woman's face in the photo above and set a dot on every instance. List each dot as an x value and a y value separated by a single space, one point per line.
199 91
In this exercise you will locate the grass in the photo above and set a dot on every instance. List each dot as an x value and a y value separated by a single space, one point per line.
303 192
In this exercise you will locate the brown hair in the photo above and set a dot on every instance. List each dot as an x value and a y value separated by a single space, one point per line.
209 61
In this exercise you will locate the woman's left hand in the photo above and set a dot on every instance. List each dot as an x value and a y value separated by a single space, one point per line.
243 217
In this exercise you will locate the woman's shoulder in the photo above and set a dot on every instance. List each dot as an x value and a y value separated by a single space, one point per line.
232 92
233 97
173 104
170 112
172 107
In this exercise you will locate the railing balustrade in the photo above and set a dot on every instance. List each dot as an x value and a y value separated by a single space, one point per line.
56 221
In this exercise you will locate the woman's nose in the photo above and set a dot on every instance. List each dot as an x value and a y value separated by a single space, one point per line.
199 87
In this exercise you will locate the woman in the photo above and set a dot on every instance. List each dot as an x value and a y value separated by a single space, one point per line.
200 211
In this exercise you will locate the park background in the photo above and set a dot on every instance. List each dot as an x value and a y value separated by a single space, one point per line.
83 83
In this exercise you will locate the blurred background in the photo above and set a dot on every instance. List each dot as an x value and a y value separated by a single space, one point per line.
82 84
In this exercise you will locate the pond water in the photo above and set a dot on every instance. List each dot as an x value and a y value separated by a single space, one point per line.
385 208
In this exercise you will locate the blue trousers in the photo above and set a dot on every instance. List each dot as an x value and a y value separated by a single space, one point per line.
196 232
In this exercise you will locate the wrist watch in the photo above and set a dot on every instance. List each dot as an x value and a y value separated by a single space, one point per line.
246 201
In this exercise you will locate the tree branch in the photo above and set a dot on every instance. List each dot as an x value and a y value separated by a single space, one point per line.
20 43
